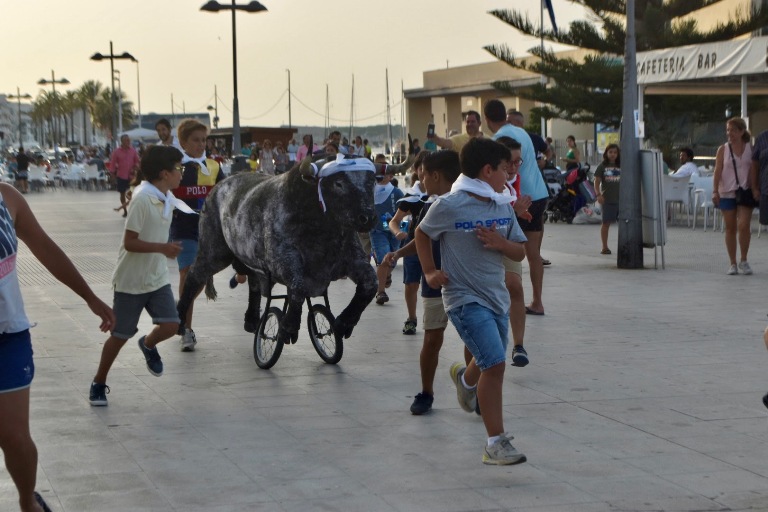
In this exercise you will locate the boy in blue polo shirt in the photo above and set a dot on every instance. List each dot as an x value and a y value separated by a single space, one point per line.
476 226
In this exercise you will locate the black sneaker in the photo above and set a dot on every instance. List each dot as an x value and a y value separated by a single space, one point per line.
233 282
519 356
410 327
422 403
381 298
765 399
98 396
154 363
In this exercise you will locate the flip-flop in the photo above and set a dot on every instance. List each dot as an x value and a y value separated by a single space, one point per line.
42 503
546 263
529 311
605 251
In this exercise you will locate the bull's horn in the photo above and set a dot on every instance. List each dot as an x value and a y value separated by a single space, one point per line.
306 167
397 169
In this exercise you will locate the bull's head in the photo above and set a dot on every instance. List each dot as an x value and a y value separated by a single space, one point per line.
346 196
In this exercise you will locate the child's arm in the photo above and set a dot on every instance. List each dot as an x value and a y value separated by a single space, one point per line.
394 224
52 257
435 278
133 244
391 258
493 240
598 184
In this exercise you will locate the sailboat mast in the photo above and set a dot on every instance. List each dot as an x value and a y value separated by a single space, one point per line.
352 112
327 115
389 117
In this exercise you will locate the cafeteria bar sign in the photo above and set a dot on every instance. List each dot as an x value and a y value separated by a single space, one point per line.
711 60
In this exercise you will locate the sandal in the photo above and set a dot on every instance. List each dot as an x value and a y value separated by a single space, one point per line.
605 251
40 501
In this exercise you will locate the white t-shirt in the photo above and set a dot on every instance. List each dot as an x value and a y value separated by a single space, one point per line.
143 272
686 170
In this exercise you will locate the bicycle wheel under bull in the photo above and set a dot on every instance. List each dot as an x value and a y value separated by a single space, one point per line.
320 321
266 347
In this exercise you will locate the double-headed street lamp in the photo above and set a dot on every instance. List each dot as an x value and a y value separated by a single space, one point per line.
215 107
253 6
52 82
112 57
18 97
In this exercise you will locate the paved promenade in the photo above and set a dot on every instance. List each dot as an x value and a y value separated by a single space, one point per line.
643 394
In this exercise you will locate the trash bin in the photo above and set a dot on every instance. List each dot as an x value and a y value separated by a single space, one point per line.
652 201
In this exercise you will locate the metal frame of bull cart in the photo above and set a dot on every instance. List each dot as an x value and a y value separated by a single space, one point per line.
266 346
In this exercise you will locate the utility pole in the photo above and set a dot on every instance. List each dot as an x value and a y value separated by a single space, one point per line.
290 123
630 251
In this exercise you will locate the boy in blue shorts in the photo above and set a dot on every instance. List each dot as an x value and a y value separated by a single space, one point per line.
385 197
141 278
439 171
476 227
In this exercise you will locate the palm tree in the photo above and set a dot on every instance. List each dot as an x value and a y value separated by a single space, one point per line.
89 93
104 110
43 111
70 103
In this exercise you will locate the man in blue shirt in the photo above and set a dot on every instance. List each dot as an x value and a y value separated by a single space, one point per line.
531 184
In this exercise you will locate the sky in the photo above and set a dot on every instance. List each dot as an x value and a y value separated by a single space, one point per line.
185 52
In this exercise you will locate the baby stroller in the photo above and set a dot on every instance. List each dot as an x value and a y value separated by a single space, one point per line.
574 192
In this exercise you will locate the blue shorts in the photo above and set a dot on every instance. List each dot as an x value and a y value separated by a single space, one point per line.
383 242
17 369
128 307
484 332
411 269
188 253
727 204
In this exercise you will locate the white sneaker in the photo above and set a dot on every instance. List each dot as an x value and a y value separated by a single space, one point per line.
502 453
732 270
188 341
745 268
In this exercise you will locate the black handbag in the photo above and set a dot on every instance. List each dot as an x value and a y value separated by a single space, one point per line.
744 196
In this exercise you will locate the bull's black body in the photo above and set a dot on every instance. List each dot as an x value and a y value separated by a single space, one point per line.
276 224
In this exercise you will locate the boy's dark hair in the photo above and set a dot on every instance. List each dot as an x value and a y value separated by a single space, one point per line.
510 142
477 153
420 159
495 111
164 122
687 151
157 159
445 162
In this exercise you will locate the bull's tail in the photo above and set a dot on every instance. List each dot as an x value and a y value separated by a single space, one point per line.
210 290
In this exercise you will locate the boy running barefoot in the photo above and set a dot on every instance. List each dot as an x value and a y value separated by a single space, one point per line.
476 226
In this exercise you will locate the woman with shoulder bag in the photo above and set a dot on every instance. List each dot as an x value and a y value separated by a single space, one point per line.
735 192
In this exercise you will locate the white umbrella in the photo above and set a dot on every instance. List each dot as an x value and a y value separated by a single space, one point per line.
141 133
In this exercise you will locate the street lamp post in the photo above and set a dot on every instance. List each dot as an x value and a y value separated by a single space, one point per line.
119 102
215 108
253 6
18 97
125 55
138 90
52 82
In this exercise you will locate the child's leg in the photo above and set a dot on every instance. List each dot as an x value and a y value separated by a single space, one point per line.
411 297
160 333
162 307
489 393
429 357
604 227
108 355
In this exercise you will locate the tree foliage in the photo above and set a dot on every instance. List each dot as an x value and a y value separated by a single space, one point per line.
590 90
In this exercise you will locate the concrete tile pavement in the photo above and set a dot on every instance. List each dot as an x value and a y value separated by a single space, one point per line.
643 393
